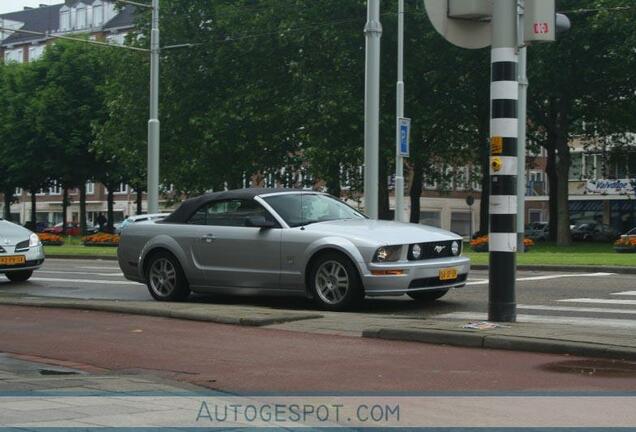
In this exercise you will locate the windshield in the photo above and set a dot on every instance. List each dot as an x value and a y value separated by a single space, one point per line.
302 209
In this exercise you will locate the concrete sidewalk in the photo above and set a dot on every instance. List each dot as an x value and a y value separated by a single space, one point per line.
590 341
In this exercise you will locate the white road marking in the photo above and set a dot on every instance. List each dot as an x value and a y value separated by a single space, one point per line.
85 281
599 301
577 309
579 321
106 267
547 277
626 293
118 274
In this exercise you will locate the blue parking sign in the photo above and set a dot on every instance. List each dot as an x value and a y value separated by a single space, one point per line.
405 132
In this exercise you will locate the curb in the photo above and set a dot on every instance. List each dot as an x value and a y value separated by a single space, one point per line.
565 268
192 315
503 342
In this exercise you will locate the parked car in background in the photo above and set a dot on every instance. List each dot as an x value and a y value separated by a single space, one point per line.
594 232
21 251
631 234
72 229
538 231
289 242
140 218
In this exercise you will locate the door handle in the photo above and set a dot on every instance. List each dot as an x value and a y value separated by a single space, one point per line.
208 238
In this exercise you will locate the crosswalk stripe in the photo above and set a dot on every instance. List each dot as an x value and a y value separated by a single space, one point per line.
576 309
626 293
545 277
118 274
599 301
547 319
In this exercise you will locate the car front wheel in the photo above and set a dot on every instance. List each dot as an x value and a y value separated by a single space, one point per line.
335 283
427 296
19 276
165 278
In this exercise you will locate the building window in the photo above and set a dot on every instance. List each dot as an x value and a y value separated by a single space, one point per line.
65 19
432 218
98 13
90 188
14 55
589 167
460 223
55 189
576 166
121 189
81 16
116 39
35 52
535 215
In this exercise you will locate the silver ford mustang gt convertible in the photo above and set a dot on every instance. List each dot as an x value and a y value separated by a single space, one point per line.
286 241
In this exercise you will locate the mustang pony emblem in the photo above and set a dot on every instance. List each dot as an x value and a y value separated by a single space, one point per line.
439 249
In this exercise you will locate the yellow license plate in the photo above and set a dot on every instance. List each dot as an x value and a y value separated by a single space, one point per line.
448 274
12 260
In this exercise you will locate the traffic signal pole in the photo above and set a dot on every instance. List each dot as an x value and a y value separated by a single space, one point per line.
504 94
399 159
521 154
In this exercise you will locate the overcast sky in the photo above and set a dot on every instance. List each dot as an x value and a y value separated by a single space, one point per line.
17 5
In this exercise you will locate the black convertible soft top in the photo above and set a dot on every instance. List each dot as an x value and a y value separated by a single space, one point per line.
183 213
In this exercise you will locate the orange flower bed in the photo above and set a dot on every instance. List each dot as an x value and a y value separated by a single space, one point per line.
481 243
51 239
626 242
101 239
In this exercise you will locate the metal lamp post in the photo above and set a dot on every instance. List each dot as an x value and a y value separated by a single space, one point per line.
153 123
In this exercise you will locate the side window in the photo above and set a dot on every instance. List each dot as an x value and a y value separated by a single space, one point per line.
229 213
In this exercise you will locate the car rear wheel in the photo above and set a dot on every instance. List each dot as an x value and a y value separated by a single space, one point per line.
335 283
19 276
165 278
427 296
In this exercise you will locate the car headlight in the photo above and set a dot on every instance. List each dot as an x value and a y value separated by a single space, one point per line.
387 254
416 251
34 240
455 249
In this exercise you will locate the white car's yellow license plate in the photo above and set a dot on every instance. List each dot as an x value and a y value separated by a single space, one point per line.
448 274
13 260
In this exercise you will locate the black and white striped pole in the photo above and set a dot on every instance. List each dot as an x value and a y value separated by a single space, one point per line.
504 93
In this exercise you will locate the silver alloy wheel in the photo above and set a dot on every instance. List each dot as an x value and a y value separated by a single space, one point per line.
163 277
332 282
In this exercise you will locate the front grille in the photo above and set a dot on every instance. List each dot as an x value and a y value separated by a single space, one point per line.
22 246
435 282
436 250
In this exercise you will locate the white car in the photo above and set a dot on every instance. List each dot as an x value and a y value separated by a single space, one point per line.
141 218
21 251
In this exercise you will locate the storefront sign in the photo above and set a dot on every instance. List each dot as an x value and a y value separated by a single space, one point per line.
611 187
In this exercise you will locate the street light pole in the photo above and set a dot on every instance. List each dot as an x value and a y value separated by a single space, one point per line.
373 33
399 159
153 123
521 152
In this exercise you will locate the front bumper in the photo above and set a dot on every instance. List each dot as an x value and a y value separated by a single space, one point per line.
418 276
34 259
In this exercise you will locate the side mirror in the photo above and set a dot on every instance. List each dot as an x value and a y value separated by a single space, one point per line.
259 222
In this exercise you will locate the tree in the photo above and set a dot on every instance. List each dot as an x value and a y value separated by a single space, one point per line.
581 78
67 106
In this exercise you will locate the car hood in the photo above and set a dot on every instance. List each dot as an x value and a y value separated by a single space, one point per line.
11 234
384 232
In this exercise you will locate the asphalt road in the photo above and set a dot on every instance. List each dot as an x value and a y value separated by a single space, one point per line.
600 299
